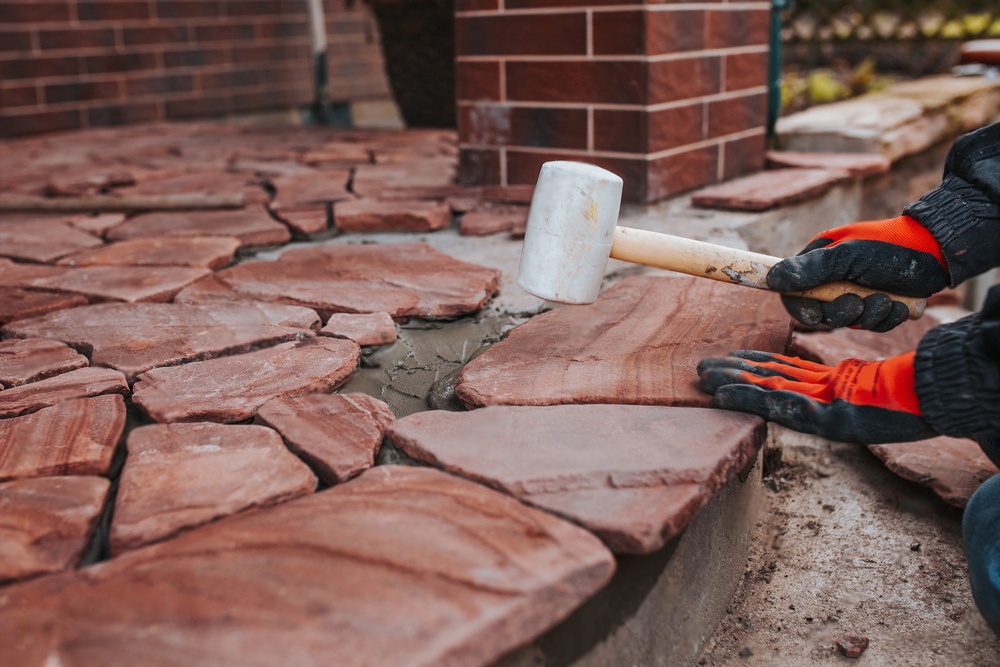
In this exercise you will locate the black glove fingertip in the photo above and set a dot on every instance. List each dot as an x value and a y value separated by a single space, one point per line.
877 309
843 310
807 311
898 314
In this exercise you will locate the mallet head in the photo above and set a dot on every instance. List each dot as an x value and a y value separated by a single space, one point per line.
571 227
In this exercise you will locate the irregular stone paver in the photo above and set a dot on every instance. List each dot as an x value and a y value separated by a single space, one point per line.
339 152
855 164
338 435
363 328
768 189
94 181
953 468
372 179
374 215
41 238
30 359
402 279
634 475
80 383
307 220
18 304
493 219
77 437
136 337
230 389
178 476
251 225
316 187
639 343
209 182
213 252
105 283
451 574
45 526
97 224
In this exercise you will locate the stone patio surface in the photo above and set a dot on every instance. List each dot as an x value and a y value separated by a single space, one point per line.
202 412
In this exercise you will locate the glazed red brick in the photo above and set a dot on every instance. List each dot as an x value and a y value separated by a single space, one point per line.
82 38
197 57
12 40
116 11
675 31
524 126
18 96
159 85
518 35
742 156
38 68
731 28
732 115
118 62
56 93
167 9
477 81
21 123
197 107
33 12
479 166
620 130
538 4
224 32
621 82
746 70
123 114
476 5
523 168
618 33
676 127
681 172
684 79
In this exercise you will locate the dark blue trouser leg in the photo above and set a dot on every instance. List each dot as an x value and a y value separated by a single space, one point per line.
981 531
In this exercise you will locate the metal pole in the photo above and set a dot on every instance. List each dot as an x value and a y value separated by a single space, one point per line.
322 108
774 67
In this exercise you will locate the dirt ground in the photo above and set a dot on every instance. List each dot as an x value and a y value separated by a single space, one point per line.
844 548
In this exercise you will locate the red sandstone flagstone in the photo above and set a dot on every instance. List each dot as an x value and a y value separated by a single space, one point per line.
19 304
302 201
92 181
634 475
338 435
639 343
493 219
251 225
363 328
855 164
136 337
338 153
306 221
207 181
178 476
97 224
103 283
402 279
231 389
41 238
953 468
31 359
78 437
402 567
371 179
80 383
45 526
213 252
374 215
769 189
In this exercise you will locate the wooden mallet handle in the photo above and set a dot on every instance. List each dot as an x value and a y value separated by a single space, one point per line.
731 265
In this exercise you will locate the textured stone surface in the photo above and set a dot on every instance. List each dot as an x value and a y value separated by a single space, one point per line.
30 359
213 182
362 328
338 435
451 575
178 476
638 343
230 389
768 189
80 383
855 164
18 304
634 475
97 224
45 526
103 283
251 225
485 220
41 238
213 252
374 215
136 337
77 437
402 279
953 468
372 179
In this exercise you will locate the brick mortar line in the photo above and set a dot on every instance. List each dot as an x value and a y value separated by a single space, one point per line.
151 48
149 73
531 11
610 106
584 58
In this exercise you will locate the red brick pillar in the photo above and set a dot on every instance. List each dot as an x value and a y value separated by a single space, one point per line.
670 96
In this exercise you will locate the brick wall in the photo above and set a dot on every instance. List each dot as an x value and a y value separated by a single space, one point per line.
66 64
669 95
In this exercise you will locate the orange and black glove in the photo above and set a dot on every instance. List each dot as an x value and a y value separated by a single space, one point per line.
897 255
870 402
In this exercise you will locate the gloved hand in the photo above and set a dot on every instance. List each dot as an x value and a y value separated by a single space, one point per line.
869 402
897 255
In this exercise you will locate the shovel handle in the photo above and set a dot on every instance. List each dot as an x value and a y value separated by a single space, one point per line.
730 265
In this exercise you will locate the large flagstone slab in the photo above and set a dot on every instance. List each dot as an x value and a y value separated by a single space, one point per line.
402 279
18 304
46 525
953 468
431 172
363 328
376 215
103 283
213 182
402 567
212 252
639 343
251 225
231 389
338 435
31 359
41 238
634 475
81 383
178 476
136 337
75 437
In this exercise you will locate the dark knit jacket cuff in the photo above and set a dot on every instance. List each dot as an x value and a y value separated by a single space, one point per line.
963 221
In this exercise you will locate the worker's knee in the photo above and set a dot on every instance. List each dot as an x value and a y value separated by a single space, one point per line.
982 547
